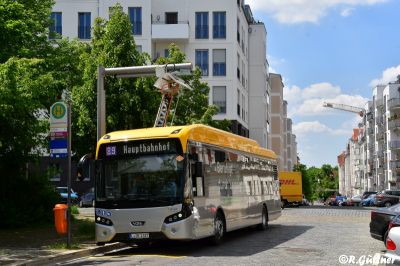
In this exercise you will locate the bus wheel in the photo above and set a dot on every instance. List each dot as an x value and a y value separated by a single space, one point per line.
264 223
219 230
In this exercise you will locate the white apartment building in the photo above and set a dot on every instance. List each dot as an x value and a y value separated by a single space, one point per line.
220 37
378 144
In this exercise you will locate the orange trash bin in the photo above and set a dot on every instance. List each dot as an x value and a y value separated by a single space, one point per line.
60 217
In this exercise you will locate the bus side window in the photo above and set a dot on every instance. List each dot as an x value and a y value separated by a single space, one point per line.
197 171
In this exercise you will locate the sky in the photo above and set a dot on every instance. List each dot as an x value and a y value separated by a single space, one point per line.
329 51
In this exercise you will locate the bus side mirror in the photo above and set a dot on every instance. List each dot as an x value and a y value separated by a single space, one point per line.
83 164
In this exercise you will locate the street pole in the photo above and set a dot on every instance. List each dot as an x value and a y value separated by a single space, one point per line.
69 177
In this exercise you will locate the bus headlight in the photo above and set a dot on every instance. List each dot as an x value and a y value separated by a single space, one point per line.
103 221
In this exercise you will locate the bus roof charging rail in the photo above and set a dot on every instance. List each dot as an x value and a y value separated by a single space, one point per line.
167 82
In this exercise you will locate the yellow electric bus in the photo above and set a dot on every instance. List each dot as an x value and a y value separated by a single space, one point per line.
181 183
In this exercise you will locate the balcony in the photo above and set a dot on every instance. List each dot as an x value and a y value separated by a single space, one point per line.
394 165
384 147
394 144
394 103
379 154
379 120
380 136
369 168
370 131
379 103
170 32
384 166
357 168
394 124
370 116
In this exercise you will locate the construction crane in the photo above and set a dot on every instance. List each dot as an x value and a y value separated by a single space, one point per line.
168 83
344 107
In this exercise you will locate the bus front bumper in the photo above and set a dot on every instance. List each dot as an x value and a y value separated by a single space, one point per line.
181 230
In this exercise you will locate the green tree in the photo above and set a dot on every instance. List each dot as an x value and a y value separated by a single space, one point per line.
305 178
24 29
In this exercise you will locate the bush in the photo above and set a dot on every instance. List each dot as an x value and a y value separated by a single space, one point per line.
28 201
74 209
86 229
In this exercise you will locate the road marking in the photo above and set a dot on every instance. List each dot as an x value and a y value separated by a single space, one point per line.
144 255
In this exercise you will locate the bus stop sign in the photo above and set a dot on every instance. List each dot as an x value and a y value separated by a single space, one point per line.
58 130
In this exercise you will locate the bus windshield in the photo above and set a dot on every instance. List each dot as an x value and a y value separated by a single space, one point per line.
142 181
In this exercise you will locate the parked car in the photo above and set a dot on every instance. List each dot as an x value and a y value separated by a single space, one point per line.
380 220
64 195
87 198
356 200
393 241
387 198
347 202
369 193
369 201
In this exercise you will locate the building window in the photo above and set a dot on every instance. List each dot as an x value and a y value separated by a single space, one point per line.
53 169
201 25
219 25
171 18
135 16
57 26
202 61
139 48
219 61
219 98
111 12
238 33
84 26
166 53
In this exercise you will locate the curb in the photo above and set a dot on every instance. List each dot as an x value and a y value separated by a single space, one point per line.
69 255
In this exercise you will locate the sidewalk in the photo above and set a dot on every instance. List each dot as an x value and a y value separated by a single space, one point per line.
43 245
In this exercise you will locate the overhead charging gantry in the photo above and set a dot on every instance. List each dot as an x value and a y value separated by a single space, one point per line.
168 83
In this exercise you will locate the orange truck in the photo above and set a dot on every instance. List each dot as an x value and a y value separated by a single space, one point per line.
291 188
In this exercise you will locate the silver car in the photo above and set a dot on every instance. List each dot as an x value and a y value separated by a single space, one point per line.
393 246
356 200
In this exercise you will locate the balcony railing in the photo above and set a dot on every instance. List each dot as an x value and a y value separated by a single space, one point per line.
370 131
370 146
394 124
380 136
219 32
379 120
379 154
370 116
219 69
384 166
394 103
394 144
384 147
201 31
53 30
379 103
84 32
203 68
136 28
393 165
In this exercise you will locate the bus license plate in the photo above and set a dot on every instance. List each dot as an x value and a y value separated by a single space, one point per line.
139 236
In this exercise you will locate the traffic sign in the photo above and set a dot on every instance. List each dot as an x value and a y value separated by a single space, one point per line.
58 130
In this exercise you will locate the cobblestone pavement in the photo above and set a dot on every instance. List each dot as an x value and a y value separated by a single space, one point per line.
314 235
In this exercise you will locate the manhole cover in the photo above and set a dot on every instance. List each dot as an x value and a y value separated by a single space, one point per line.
300 250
